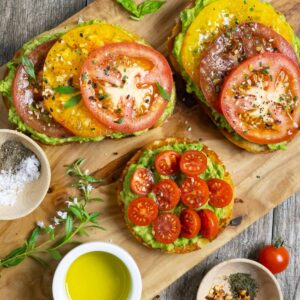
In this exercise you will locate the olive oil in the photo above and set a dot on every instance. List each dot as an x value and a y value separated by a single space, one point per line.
98 276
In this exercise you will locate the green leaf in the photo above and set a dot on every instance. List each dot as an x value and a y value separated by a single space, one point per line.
96 199
130 6
33 238
39 260
69 227
163 92
150 7
75 211
95 226
55 254
93 216
12 261
83 232
15 252
65 89
74 100
28 66
91 179
119 121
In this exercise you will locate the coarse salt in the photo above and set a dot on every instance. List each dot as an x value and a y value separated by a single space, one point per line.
12 183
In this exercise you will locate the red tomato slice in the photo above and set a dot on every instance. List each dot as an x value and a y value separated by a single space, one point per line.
28 99
142 181
167 194
193 162
194 192
190 223
142 211
167 162
209 224
260 98
232 47
120 85
220 192
166 228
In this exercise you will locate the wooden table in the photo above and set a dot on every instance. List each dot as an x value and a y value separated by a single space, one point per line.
22 19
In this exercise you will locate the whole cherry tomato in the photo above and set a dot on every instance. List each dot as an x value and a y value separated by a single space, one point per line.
275 257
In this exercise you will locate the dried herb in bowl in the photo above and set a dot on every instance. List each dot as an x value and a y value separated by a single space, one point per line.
240 283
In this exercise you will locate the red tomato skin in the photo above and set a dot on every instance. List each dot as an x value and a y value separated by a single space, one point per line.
170 159
190 223
144 208
193 162
142 181
161 73
276 61
220 192
274 259
167 194
166 222
209 224
194 192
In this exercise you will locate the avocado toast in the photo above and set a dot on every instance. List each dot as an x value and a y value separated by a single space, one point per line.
196 47
145 158
45 93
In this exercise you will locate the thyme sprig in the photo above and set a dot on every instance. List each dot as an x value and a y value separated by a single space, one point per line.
74 218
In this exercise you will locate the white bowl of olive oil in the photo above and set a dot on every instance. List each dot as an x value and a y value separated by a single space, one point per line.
97 270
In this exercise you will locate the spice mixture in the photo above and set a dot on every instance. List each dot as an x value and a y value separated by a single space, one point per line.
18 167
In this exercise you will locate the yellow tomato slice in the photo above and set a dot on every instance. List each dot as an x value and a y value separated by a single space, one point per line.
222 13
62 67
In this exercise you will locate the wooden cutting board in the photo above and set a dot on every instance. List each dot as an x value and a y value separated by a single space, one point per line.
262 181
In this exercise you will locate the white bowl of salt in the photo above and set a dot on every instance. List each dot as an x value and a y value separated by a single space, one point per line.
25 175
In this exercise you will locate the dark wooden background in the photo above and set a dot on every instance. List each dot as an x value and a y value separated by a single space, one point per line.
21 20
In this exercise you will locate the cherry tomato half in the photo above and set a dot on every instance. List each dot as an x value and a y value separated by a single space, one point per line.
142 181
167 194
220 192
190 223
167 162
166 228
193 162
209 224
194 192
142 211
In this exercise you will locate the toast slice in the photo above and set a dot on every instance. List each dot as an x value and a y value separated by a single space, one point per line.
250 147
158 144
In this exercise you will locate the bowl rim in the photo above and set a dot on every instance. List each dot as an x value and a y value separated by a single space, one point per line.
58 282
243 260
43 156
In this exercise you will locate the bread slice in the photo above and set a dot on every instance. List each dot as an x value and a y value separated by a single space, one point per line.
250 147
157 144
42 136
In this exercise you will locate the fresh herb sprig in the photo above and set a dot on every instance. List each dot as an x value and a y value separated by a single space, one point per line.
74 218
144 8
28 67
164 93
67 90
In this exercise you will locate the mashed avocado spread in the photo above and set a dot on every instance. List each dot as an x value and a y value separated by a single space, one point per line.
187 17
14 118
146 160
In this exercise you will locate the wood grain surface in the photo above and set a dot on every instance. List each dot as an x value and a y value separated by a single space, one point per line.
278 173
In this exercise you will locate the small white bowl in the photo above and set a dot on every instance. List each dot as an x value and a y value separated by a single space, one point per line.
266 281
58 285
34 192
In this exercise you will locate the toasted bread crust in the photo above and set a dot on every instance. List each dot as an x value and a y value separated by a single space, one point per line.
157 144
248 146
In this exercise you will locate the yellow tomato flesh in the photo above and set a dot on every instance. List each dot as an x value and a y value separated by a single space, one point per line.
214 17
62 67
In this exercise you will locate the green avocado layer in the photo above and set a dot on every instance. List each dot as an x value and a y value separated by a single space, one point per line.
187 16
147 161
14 118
